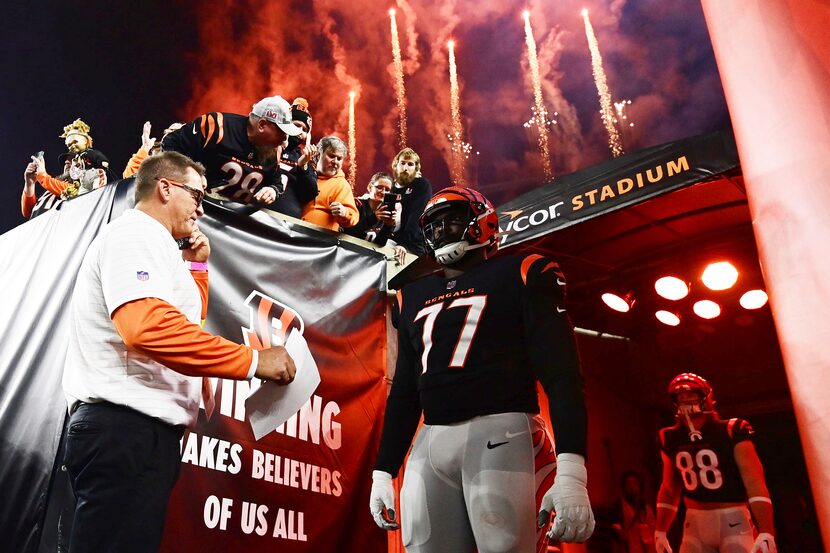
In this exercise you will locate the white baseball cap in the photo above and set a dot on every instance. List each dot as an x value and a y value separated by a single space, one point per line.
277 110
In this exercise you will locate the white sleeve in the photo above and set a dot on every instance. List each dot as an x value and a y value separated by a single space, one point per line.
398 216
133 266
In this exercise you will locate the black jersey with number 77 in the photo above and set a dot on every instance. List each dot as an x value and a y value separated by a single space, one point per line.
475 345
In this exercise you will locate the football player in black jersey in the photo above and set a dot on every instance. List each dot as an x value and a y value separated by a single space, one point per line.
472 343
713 465
240 154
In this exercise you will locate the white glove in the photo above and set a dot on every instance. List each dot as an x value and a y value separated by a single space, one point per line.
383 497
568 500
661 542
764 543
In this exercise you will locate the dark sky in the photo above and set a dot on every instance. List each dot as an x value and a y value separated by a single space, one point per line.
116 65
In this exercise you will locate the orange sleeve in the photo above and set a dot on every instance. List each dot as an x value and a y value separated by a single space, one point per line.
53 185
201 278
27 204
345 196
160 331
135 162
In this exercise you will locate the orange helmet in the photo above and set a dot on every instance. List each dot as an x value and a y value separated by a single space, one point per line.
476 219
690 382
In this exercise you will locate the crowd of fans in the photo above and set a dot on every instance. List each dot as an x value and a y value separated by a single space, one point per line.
265 158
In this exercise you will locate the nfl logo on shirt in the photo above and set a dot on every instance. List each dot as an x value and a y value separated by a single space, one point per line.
142 275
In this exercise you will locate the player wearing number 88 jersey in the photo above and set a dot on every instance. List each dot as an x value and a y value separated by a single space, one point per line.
713 465
239 153
706 465
472 342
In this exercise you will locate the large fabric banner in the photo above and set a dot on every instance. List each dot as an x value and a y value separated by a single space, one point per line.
615 184
304 486
38 264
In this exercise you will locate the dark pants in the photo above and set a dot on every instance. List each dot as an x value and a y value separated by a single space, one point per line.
123 466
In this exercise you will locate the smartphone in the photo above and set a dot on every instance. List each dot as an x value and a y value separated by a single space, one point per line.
390 199
184 243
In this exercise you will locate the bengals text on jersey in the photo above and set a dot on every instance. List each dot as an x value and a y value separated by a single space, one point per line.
475 345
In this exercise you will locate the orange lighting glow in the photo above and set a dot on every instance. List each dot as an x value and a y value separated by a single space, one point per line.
667 318
754 299
617 303
720 275
671 288
706 309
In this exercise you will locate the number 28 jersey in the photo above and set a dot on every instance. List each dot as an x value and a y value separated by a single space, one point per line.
706 465
219 141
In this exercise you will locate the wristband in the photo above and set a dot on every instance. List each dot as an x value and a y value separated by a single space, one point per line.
196 266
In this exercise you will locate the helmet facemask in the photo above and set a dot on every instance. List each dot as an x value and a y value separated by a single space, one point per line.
698 399
447 229
691 406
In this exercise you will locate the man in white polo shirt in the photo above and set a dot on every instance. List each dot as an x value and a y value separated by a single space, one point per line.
136 355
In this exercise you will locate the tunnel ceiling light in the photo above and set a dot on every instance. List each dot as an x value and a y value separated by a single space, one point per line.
617 302
671 288
706 309
754 299
667 317
719 276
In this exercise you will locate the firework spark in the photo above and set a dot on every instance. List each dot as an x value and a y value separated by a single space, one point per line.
538 105
623 123
399 87
606 109
540 119
352 142
619 107
457 169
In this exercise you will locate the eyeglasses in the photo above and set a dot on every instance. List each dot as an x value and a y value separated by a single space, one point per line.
197 195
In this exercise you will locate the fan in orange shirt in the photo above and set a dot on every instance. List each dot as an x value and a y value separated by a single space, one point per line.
334 207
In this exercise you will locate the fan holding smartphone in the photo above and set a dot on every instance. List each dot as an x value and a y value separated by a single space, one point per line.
377 210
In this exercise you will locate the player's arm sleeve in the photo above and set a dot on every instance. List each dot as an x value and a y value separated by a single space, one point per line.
403 408
552 350
409 236
158 330
135 162
344 196
27 204
752 475
668 496
197 136
50 183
